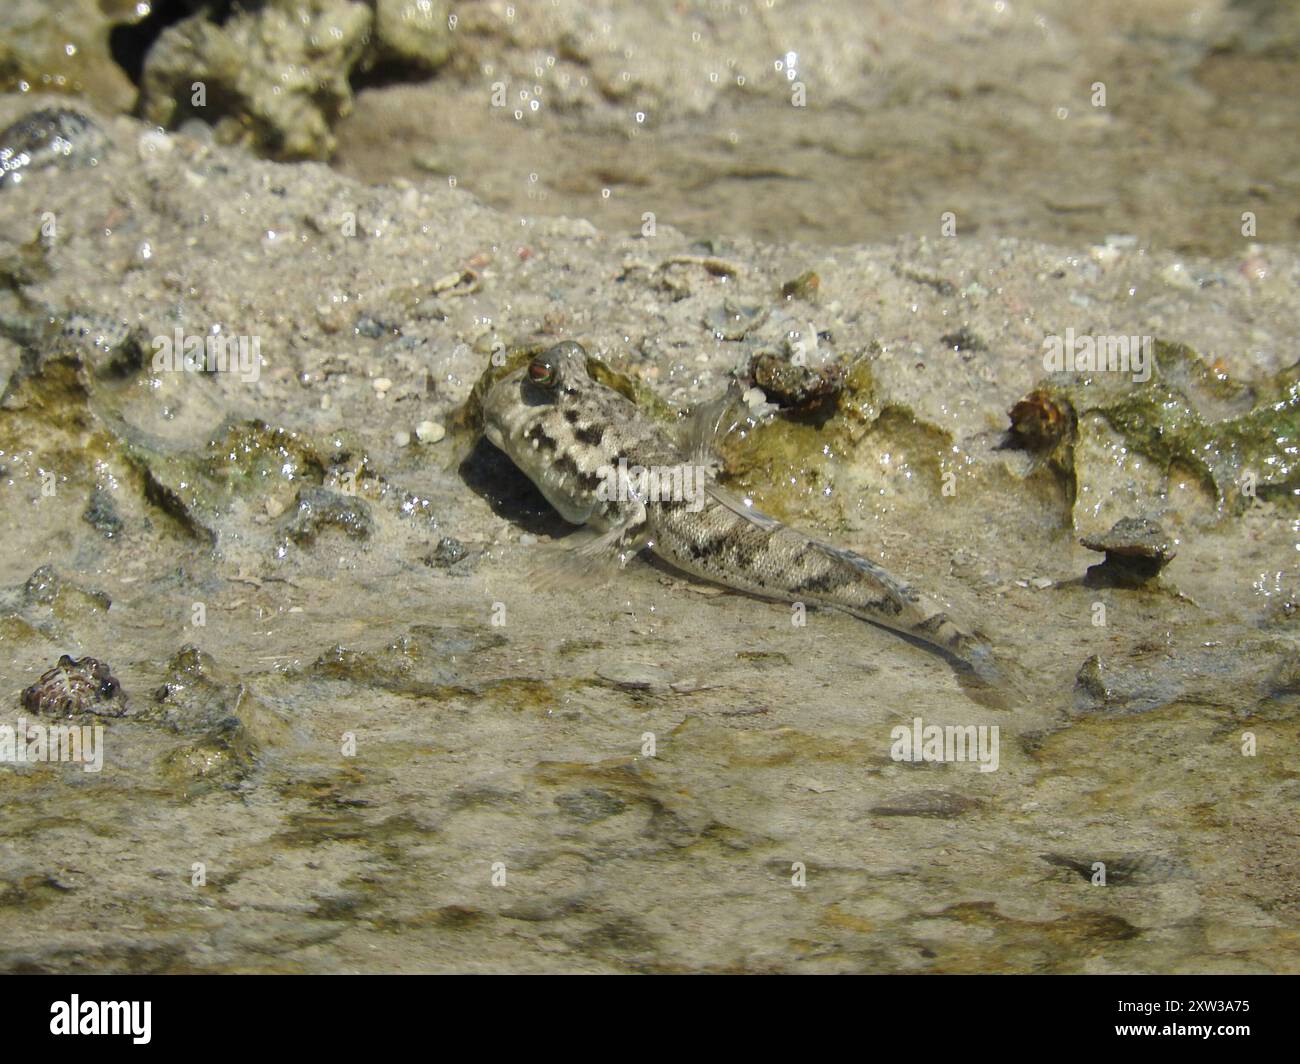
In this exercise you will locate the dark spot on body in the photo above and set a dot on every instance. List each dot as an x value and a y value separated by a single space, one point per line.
566 465
538 435
819 583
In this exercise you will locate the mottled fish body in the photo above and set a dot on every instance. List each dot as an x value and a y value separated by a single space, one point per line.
570 435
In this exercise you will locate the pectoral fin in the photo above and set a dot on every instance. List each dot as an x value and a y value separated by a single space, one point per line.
595 559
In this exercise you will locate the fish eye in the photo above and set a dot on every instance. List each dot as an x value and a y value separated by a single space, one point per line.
541 371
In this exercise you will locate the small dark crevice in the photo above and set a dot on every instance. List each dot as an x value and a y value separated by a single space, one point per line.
382 73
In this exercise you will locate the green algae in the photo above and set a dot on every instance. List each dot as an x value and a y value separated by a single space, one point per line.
1187 415
796 467
244 459
632 388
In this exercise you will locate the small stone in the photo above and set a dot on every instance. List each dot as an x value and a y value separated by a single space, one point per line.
102 514
448 552
320 509
153 143
1177 275
381 384
373 328
429 432
1136 550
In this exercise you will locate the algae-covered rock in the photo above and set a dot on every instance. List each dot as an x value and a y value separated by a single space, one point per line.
414 33
224 727
320 509
800 388
274 79
63 46
1240 445
243 460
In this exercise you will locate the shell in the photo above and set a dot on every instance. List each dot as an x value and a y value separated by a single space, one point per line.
75 686
1040 421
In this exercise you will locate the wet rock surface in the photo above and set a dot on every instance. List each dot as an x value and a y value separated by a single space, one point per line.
359 738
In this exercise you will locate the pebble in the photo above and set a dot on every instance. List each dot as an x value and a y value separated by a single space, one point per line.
153 143
634 677
429 432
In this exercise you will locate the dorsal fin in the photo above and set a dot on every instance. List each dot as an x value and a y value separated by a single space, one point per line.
711 421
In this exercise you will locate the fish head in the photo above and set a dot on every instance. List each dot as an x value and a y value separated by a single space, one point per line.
558 426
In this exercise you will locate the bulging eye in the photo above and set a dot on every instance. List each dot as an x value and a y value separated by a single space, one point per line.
542 372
